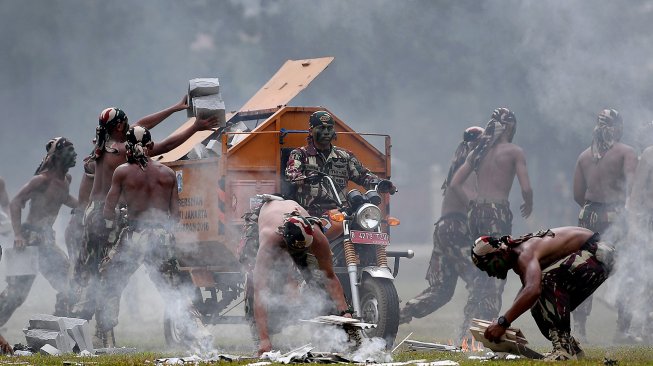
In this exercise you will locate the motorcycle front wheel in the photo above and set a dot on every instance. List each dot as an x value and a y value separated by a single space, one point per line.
380 306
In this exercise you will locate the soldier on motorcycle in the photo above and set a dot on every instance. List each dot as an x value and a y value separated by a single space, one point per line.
320 155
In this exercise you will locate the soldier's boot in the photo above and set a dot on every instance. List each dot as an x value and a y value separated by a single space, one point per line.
562 348
104 339
575 347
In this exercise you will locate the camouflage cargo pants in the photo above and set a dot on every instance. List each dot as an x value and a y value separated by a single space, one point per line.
568 282
153 246
95 245
494 218
450 260
53 264
605 219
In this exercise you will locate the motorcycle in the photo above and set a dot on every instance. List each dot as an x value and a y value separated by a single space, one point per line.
359 239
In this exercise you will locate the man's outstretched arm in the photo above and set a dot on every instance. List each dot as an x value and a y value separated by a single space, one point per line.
178 138
322 252
526 298
154 119
262 269
525 184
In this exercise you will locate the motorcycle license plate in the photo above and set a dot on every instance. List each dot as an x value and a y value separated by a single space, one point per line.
367 237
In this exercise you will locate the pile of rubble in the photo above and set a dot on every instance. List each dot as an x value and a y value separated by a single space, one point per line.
54 335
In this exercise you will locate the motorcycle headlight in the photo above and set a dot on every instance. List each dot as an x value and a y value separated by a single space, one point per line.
368 216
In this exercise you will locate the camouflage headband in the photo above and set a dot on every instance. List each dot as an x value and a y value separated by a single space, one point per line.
320 118
137 138
297 230
52 148
605 133
471 134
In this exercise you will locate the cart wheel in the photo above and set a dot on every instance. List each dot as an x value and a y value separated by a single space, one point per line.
172 330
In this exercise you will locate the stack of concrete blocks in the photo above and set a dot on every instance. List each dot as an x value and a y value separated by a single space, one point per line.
57 335
205 100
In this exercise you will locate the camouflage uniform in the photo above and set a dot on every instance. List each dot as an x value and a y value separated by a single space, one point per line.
152 244
95 245
598 217
567 283
450 260
53 264
492 218
341 165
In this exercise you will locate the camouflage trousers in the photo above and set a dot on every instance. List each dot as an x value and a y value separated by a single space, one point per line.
605 219
450 260
149 246
53 264
152 245
490 217
96 243
568 282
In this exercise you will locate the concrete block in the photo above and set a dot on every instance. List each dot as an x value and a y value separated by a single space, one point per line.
47 322
201 87
208 106
49 350
37 338
80 331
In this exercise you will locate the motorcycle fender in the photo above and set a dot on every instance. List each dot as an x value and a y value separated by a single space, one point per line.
378 272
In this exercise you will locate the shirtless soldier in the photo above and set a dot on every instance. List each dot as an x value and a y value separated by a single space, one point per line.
450 256
46 191
109 152
149 189
558 269
496 161
602 179
287 231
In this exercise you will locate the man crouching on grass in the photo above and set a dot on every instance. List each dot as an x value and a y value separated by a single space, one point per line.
285 228
558 268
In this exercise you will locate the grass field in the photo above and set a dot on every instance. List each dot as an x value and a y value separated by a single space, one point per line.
142 313
595 356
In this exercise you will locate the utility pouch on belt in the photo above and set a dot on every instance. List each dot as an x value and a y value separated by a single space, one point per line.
605 255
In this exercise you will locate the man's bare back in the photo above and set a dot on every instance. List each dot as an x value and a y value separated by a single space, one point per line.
498 170
549 249
151 193
604 180
271 217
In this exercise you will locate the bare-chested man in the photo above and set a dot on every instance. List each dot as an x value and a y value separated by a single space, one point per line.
109 152
287 232
450 256
496 161
149 189
46 192
602 180
558 269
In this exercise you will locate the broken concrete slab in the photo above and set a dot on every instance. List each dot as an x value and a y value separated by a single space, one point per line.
75 333
37 338
80 331
49 350
47 322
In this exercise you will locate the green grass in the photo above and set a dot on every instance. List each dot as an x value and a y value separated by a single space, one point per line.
625 355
